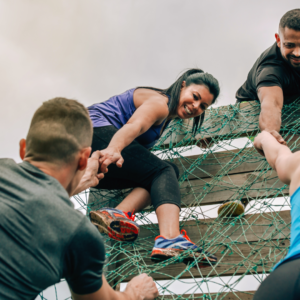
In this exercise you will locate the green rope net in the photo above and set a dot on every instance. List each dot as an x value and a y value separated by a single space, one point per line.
247 246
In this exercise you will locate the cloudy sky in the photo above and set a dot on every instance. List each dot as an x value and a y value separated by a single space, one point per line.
91 50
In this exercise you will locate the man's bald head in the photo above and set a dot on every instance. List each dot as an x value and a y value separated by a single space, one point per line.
59 129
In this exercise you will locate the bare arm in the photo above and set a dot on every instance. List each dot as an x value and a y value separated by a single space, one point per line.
91 176
141 287
281 159
271 99
150 112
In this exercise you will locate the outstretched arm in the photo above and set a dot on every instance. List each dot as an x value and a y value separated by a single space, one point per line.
141 287
271 99
92 175
143 118
281 159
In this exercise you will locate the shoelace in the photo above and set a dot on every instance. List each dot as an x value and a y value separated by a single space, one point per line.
130 215
183 232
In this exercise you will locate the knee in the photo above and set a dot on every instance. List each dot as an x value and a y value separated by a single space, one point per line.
175 168
169 167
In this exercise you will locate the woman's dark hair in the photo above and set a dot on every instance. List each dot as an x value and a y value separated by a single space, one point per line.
191 76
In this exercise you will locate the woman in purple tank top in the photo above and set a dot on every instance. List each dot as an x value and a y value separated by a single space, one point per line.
124 127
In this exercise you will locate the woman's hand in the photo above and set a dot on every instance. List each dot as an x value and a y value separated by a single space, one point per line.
109 156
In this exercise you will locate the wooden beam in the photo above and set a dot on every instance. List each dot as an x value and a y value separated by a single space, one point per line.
244 186
252 244
237 259
226 122
208 165
212 296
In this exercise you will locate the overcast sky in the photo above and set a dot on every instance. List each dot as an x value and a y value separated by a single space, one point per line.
91 50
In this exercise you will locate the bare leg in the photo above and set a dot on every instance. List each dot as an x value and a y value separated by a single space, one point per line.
137 200
168 220
167 214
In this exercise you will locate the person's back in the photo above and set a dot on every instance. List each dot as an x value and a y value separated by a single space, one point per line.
43 238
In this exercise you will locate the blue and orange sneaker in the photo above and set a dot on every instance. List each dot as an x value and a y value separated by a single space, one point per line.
117 224
165 249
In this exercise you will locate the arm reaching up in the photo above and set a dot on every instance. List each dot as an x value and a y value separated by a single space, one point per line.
92 175
280 158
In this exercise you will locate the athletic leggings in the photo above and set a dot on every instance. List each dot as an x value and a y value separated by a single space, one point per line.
281 284
141 168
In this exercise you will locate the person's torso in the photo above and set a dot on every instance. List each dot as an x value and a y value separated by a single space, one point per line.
37 221
294 250
270 58
117 110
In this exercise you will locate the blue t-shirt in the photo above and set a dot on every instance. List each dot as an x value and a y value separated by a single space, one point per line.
294 251
116 111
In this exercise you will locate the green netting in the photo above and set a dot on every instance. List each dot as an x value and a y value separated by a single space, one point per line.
231 169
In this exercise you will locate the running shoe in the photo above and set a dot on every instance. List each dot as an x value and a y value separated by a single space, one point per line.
117 224
168 248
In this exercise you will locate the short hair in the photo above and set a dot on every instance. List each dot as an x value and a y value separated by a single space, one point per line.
58 130
291 19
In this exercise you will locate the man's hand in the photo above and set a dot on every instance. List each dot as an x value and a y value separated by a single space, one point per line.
92 176
92 170
141 287
278 137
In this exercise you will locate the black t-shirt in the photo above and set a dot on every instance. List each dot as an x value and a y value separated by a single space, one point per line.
42 237
270 70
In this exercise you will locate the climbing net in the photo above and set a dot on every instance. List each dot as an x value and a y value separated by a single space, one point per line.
247 246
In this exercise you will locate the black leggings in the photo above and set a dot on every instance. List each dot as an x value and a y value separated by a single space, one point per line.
141 168
281 284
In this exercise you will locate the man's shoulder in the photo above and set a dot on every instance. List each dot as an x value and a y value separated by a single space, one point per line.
271 57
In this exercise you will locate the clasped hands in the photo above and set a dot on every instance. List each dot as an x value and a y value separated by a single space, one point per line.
259 138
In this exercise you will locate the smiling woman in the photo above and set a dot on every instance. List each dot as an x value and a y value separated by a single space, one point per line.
125 126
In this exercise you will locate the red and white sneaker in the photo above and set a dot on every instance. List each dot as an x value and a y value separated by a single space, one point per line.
117 224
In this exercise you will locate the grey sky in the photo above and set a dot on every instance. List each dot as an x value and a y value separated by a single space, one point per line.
91 50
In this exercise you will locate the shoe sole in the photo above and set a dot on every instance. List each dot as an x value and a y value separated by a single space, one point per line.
119 230
231 209
159 255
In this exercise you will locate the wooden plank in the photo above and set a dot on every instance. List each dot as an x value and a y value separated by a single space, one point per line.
245 186
212 296
251 228
252 244
221 121
227 122
209 165
238 259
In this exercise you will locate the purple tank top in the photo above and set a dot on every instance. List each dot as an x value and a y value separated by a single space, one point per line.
116 111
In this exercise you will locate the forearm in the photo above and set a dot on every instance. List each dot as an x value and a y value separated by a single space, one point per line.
270 117
274 152
85 183
125 136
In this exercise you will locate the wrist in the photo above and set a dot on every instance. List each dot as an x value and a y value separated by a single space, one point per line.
115 148
129 294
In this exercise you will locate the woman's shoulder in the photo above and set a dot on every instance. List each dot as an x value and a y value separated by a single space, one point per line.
141 95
